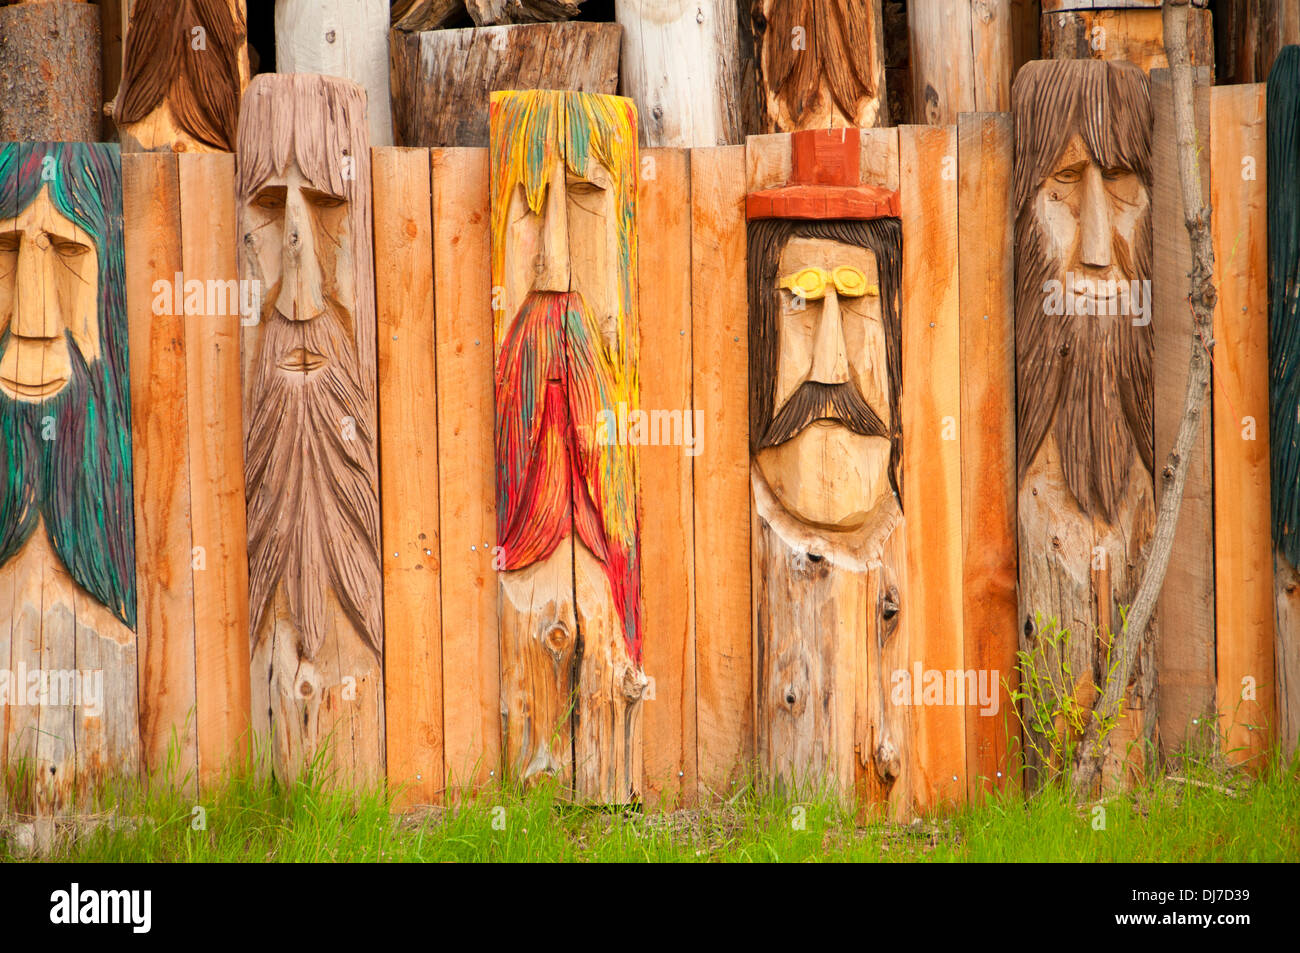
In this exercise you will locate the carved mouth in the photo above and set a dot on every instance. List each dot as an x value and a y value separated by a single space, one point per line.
301 360
33 391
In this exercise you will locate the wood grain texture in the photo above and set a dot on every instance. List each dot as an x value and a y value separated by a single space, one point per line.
1135 35
931 485
681 66
409 473
820 65
164 539
51 71
441 78
1185 641
467 490
346 38
668 531
962 57
1242 526
1249 34
723 639
988 439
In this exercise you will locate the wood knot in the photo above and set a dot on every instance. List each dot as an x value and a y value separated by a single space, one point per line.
305 689
557 639
1064 350
1056 542
1029 628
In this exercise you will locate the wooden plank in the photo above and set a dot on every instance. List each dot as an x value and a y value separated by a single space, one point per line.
988 439
1185 637
219 554
1134 35
720 381
667 535
467 490
931 433
961 58
1242 521
408 473
166 624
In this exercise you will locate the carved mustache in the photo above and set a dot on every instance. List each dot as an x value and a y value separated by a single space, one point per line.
813 401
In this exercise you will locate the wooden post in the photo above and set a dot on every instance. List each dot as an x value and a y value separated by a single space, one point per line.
185 69
1084 392
820 64
1283 175
1249 34
442 78
568 519
962 57
315 587
1111 30
67 540
346 38
51 72
682 67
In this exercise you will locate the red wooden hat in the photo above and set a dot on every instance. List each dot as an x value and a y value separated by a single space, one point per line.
824 182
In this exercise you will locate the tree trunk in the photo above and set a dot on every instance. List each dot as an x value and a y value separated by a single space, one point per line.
50 71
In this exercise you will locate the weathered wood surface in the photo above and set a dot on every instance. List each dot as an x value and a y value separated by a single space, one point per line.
1136 35
1249 34
682 66
184 70
668 537
1243 550
441 78
496 12
316 595
1185 641
719 359
820 64
962 58
463 314
412 16
409 458
346 38
931 484
988 439
51 72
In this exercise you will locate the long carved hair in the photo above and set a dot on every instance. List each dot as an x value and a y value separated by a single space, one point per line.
767 237
1283 96
1088 382
310 444
77 477
201 86
838 48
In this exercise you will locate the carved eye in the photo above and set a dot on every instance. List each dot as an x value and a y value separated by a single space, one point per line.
321 200
68 249
583 187
1116 173
1069 176
271 200
809 283
852 283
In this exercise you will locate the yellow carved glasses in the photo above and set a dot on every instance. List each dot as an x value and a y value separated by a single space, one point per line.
810 283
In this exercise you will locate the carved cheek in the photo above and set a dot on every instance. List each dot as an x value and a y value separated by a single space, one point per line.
794 355
864 337
81 305
1059 218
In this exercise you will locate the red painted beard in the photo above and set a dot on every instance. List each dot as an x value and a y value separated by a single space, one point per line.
553 379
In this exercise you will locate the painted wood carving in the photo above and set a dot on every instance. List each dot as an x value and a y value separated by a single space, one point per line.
67 528
184 71
821 63
315 591
825 260
563 188
1082 185
1283 98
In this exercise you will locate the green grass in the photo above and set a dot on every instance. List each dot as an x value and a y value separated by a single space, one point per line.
248 819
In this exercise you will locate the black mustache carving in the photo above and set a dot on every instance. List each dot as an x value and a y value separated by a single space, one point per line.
815 401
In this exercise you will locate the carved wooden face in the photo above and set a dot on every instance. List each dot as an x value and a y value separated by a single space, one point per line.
1091 218
49 288
833 469
301 236
571 245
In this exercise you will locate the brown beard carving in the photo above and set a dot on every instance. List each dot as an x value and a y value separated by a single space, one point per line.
201 86
840 49
1087 380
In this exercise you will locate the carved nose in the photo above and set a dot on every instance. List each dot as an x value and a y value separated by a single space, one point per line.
551 266
36 311
301 297
1095 221
830 355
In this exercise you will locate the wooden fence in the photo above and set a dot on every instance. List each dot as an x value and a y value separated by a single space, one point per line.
436 441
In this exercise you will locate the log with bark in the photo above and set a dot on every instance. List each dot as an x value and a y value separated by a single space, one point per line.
50 71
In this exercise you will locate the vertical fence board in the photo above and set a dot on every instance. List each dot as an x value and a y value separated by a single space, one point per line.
723 638
408 473
165 627
1185 636
931 408
219 541
467 489
667 520
1243 537
988 437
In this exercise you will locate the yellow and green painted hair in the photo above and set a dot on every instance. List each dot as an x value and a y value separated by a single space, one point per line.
529 129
